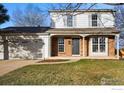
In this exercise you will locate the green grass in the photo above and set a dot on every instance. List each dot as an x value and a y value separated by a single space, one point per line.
83 72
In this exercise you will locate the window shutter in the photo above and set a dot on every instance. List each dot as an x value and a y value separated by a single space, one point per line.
99 20
89 18
74 21
65 21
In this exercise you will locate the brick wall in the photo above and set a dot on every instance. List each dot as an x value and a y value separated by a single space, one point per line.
68 46
111 46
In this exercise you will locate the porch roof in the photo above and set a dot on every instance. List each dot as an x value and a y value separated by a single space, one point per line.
109 30
48 30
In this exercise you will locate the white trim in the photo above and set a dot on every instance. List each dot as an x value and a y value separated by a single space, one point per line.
117 47
81 34
83 46
98 53
76 55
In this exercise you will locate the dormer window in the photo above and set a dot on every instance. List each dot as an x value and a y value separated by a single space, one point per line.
69 21
94 20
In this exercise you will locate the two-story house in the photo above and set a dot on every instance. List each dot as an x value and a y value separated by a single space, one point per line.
83 33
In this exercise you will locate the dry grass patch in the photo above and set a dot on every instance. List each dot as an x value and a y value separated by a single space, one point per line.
83 72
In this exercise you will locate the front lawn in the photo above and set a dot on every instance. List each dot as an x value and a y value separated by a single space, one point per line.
83 72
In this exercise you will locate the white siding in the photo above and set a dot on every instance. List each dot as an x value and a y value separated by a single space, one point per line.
107 19
46 48
37 47
58 20
83 20
1 51
1 55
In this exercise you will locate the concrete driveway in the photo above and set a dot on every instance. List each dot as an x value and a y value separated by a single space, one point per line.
10 65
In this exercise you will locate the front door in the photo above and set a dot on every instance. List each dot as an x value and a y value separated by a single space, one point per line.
98 46
75 46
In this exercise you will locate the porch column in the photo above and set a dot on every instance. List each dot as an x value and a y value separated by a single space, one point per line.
117 42
83 46
47 46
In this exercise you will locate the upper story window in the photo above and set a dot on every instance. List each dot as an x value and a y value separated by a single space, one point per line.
94 20
69 21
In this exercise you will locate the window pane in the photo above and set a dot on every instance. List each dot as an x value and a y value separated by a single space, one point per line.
61 44
94 16
102 40
94 20
94 23
61 41
95 48
95 40
95 44
102 44
102 48
69 20
61 48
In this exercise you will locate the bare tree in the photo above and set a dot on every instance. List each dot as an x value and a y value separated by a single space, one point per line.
119 17
119 23
30 16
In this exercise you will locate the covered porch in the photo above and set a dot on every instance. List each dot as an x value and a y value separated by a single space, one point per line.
84 46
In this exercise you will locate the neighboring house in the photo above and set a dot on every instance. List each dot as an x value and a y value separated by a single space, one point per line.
88 34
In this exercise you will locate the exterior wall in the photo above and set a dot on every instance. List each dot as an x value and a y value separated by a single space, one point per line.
46 50
28 47
107 19
58 20
41 49
82 20
111 46
67 46
1 51
54 46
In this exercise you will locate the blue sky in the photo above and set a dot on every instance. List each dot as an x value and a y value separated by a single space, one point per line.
44 6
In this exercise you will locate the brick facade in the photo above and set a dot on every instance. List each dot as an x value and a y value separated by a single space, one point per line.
111 46
68 46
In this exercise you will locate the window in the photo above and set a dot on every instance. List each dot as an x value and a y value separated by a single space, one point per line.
98 44
61 44
69 20
94 20
95 44
102 44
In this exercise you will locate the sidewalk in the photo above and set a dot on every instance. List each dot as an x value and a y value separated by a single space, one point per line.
10 65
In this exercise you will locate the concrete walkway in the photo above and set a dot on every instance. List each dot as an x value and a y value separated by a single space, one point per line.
69 61
10 65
